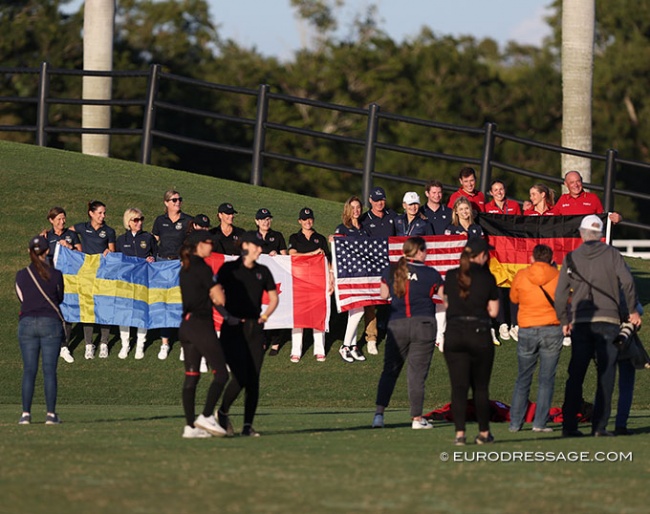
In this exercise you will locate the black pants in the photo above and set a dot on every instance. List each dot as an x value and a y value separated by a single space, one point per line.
243 346
469 353
199 339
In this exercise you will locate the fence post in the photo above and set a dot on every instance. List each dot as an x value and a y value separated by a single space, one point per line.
41 110
149 114
488 154
260 134
610 179
370 151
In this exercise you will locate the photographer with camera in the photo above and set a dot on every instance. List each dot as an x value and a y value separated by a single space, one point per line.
594 323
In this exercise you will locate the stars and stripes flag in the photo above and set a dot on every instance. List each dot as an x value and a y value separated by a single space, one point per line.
359 262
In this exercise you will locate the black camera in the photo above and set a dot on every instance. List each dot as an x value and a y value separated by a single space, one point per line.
627 329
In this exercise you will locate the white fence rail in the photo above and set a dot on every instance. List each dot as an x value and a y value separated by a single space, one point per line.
633 247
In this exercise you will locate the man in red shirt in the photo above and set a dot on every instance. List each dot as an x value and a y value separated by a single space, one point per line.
467 180
578 201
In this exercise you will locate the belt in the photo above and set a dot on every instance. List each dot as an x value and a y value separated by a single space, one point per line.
469 318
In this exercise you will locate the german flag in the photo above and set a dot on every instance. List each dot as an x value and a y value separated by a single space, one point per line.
514 238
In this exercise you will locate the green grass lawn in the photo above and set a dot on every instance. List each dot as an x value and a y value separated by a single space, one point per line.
120 450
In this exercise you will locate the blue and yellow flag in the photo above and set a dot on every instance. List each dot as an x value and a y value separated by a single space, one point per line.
119 290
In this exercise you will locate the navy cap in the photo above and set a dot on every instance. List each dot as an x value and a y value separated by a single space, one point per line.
39 244
199 236
477 245
262 214
202 221
252 236
227 208
377 194
305 214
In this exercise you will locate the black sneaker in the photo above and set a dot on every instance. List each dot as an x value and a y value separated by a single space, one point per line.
483 439
273 352
623 431
572 433
249 431
224 421
52 419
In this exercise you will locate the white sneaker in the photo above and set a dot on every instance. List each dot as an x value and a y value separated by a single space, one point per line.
495 339
139 352
66 355
378 421
164 352
566 341
514 332
504 332
357 354
103 351
210 425
194 433
124 352
90 352
204 365
181 357
372 347
421 424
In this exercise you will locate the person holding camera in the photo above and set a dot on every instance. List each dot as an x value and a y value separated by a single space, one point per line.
593 321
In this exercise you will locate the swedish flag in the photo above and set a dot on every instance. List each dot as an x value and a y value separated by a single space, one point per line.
119 290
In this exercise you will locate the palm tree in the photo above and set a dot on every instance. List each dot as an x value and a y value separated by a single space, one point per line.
99 19
578 20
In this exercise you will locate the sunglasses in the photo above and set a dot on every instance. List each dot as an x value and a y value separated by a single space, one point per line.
137 220
179 199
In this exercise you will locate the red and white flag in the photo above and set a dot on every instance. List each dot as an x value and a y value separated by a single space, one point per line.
359 262
301 283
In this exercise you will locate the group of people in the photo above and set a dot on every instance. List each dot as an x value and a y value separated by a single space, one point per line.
413 323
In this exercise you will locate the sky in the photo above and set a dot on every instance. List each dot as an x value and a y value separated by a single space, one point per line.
273 29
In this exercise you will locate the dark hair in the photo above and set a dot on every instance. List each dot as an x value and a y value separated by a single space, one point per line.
464 278
42 267
187 249
543 253
93 205
497 181
433 183
466 171
400 271
54 212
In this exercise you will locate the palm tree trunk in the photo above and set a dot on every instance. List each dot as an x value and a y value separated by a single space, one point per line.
99 18
578 20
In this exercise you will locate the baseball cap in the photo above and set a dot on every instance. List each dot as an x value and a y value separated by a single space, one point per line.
252 236
227 208
306 213
262 214
202 221
592 222
39 244
377 194
478 245
199 236
411 197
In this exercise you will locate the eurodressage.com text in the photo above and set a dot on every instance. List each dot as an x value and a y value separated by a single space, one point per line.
532 456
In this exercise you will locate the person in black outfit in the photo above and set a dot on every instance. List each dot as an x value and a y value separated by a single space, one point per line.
197 335
472 298
411 336
240 286
227 236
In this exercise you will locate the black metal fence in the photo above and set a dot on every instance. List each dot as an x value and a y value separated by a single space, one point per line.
153 104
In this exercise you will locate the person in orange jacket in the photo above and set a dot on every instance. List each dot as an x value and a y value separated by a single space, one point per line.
540 337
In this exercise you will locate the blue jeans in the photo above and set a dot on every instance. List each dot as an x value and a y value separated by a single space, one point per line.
543 343
40 335
589 340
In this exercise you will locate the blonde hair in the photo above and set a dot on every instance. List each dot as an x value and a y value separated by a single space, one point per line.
454 214
346 217
129 214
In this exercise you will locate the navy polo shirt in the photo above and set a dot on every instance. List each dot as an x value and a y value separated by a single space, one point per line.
142 244
379 227
350 231
94 241
301 244
439 219
170 234
274 242
417 227
474 230
228 245
69 236
421 285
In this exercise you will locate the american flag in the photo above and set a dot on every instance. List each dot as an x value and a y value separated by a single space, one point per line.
358 263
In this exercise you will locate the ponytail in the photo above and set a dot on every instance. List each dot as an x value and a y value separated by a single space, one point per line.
464 278
400 272
41 266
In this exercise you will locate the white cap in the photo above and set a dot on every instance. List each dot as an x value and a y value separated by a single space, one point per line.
592 222
411 197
